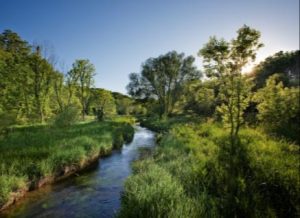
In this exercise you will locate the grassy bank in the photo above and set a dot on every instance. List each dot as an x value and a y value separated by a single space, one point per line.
195 173
32 156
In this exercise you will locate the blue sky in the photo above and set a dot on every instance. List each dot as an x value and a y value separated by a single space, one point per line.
118 35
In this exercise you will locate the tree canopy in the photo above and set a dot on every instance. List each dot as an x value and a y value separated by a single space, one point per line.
163 78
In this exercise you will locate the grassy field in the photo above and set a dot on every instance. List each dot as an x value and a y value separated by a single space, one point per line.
195 173
30 154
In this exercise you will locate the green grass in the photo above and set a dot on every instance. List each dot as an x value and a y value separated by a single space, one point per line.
31 153
163 125
193 173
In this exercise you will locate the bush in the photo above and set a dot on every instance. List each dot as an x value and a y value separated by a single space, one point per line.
118 139
279 109
128 132
67 117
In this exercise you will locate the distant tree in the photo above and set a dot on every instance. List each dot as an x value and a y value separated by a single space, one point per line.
124 106
81 77
225 61
102 103
163 78
199 98
12 42
278 107
285 64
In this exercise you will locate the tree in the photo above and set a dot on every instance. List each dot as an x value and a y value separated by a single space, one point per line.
42 82
124 104
278 108
225 61
81 77
198 98
59 90
163 78
285 64
103 103
15 75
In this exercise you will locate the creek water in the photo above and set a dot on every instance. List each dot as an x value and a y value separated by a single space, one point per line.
95 192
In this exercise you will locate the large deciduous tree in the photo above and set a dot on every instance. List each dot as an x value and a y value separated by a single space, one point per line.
225 60
81 76
163 78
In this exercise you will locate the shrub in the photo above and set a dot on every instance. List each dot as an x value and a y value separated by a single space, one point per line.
128 132
279 108
67 117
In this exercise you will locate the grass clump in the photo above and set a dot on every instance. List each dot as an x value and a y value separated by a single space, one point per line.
9 184
153 193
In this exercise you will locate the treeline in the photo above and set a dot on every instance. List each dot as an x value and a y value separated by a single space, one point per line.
170 85
34 91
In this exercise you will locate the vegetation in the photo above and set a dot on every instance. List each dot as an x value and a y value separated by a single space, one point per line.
212 159
285 64
228 144
42 137
278 108
34 153
225 61
163 78
189 176
33 90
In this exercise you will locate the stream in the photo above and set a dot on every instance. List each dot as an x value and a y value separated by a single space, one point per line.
95 192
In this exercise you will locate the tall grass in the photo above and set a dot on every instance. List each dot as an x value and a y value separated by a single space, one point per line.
29 154
195 167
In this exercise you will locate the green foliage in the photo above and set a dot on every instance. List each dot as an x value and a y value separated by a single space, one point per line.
81 75
163 125
224 60
124 104
285 64
67 117
279 109
102 103
163 78
123 134
199 98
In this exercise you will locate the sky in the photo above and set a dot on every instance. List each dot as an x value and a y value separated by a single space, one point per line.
117 36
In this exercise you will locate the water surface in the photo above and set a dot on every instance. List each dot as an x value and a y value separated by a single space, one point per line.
94 193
